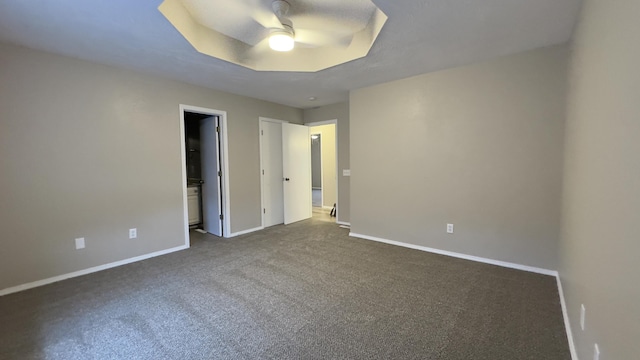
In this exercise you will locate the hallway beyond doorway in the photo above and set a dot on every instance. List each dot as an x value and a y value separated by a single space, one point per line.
316 199
322 214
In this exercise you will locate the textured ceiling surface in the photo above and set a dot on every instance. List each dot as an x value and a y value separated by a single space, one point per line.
420 36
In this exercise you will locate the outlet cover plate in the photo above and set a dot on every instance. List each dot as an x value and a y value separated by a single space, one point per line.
79 243
449 228
133 233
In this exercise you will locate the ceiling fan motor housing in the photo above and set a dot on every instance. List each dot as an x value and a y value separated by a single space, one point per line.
281 9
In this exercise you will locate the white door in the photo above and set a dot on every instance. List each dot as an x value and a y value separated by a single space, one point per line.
209 153
272 188
296 166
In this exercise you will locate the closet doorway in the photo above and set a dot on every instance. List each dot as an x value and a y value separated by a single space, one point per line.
204 170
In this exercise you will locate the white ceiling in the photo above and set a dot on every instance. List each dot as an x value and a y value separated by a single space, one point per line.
420 36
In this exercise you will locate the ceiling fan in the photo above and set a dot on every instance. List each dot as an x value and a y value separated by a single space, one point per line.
284 37
301 23
325 33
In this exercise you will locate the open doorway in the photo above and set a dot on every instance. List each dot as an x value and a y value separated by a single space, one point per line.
324 159
204 175
285 172
316 169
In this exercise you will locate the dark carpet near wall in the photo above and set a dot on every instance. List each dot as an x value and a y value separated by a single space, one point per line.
304 291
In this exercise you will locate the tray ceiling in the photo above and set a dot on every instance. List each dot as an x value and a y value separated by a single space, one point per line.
419 36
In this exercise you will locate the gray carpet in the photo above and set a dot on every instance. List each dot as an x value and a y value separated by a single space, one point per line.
304 291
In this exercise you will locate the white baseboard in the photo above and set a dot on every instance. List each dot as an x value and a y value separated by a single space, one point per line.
245 231
459 255
567 324
50 280
343 223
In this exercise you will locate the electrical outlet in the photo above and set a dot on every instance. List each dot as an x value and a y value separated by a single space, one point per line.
79 243
450 228
596 352
133 233
582 316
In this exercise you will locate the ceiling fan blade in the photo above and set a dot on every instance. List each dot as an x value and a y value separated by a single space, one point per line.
332 8
261 12
246 20
316 38
259 48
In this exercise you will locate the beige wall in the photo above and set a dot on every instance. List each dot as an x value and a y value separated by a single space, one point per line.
90 151
478 146
328 159
338 112
600 243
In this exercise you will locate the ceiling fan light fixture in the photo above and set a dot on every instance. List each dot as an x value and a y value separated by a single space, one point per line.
281 40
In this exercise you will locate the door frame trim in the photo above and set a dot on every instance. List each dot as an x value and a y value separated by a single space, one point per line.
262 190
335 122
224 166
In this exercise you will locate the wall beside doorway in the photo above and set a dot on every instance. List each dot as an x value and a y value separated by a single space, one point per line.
98 177
480 146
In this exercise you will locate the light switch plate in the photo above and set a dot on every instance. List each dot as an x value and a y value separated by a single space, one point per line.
79 243
346 172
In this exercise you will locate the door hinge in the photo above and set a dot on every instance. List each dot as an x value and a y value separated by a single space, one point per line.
219 173
217 129
221 217
264 211
261 132
262 171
